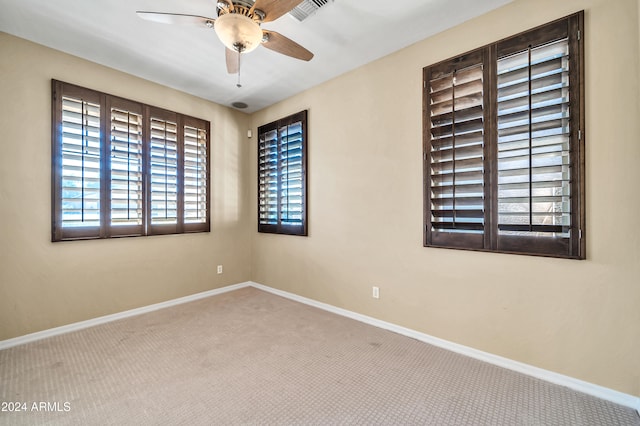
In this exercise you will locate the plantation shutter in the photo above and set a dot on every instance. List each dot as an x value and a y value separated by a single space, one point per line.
455 152
503 145
533 141
268 177
126 168
122 168
163 154
196 172
77 156
80 163
282 176
538 118
291 180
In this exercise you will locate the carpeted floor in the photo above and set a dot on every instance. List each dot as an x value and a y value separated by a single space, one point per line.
250 357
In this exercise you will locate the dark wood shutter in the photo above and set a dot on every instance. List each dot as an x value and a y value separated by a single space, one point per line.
121 168
291 179
163 172
533 141
77 155
539 125
196 175
268 176
126 162
282 187
504 145
455 152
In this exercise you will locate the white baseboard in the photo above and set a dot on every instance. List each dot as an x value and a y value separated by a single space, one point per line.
9 343
549 376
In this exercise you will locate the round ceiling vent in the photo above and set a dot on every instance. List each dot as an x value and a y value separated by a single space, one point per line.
239 105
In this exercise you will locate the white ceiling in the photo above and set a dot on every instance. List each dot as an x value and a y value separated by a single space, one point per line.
343 35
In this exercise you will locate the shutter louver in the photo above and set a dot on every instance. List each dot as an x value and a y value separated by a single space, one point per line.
80 154
164 172
195 175
457 151
126 168
290 172
268 178
534 196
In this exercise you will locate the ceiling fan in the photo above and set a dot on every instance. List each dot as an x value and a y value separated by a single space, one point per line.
238 27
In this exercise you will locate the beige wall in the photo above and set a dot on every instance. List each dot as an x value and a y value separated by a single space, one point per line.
44 284
579 318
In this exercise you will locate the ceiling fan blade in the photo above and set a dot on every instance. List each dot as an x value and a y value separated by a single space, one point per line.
232 60
177 18
273 9
281 44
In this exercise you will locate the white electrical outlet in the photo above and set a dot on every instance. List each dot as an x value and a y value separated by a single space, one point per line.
219 269
376 292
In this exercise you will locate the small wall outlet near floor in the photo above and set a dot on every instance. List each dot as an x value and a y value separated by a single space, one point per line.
219 269
376 292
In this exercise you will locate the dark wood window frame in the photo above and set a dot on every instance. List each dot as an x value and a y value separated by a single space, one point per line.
109 221
277 213
478 227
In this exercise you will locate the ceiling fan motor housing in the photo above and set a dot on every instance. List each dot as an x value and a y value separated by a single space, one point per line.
240 7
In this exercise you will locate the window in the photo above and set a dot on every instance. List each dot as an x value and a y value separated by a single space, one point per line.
282 176
504 145
122 168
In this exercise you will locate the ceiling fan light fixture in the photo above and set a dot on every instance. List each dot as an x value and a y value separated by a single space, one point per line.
238 32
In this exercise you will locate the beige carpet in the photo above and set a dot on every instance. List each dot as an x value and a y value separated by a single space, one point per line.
249 357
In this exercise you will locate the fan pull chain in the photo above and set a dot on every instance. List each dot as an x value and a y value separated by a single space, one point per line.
238 84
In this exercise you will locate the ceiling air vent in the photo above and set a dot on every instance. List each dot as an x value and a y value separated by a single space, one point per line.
308 8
